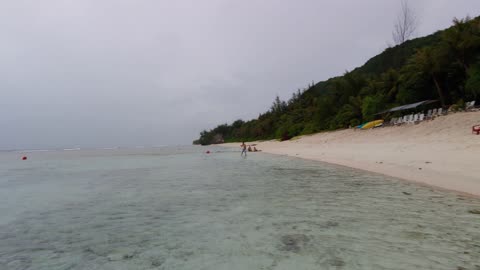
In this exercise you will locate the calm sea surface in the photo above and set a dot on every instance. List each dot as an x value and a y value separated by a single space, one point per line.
178 208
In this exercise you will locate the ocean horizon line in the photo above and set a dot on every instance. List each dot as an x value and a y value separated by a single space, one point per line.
53 149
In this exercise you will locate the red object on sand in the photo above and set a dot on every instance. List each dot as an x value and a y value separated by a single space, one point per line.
24 158
476 129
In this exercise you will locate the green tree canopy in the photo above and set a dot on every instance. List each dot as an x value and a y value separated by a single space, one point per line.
444 66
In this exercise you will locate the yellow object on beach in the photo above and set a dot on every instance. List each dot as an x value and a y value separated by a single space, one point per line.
372 124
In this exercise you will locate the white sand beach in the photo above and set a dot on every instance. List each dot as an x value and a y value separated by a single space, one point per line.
442 152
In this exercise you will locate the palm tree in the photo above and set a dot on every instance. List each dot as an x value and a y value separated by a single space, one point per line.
463 40
428 61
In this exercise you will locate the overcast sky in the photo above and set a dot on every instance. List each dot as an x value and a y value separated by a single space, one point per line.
102 73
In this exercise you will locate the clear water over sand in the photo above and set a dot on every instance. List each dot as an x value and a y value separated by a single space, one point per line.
177 208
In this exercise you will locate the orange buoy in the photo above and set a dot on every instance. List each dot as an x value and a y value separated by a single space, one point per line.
24 158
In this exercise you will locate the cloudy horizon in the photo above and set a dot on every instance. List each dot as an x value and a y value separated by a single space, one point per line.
129 73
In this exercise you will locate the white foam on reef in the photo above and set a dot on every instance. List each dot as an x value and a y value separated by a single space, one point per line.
160 146
34 150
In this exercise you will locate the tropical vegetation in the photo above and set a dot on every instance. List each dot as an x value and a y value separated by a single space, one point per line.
444 66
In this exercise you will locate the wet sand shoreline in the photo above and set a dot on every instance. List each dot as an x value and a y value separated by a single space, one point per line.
441 153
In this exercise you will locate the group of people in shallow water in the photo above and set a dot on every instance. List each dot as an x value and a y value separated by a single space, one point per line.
248 148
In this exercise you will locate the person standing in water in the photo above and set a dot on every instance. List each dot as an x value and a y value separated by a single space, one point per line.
244 149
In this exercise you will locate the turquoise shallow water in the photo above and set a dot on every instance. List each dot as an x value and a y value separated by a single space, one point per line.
177 208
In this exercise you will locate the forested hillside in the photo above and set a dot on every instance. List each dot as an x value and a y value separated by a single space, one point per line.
443 66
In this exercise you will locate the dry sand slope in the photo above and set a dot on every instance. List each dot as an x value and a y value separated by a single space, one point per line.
442 152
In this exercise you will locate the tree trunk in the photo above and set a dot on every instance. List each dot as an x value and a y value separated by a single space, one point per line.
466 68
464 63
439 91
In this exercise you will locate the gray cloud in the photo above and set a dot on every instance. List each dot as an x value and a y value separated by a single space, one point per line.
106 73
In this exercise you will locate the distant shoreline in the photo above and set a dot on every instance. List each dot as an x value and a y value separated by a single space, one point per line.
441 153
